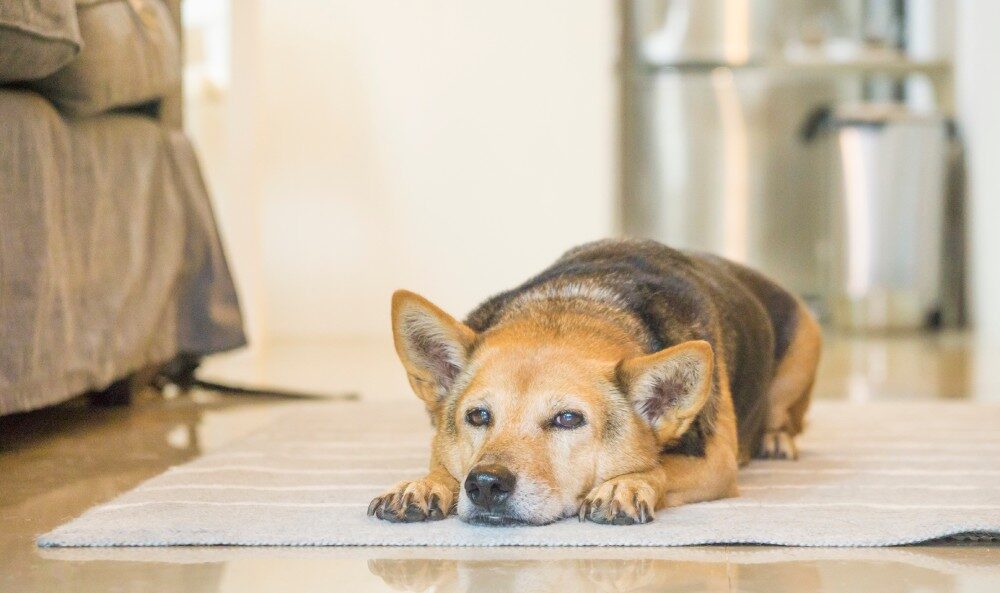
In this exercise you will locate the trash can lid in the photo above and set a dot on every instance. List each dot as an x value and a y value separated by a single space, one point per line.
881 114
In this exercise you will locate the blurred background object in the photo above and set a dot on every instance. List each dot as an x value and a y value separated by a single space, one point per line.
726 147
887 231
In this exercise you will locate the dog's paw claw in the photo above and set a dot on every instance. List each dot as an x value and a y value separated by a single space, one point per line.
620 501
414 513
777 444
411 502
645 516
434 512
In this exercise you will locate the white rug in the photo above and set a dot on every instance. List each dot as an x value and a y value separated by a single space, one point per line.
870 475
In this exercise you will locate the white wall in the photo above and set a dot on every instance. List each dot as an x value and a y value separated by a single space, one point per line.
445 146
978 88
220 118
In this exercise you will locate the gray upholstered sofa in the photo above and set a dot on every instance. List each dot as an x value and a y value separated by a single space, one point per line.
110 261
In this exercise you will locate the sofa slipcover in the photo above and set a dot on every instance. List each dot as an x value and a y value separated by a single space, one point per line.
130 56
36 38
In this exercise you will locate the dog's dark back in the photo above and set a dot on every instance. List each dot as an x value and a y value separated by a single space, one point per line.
679 296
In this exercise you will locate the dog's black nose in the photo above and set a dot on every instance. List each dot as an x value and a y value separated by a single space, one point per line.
489 486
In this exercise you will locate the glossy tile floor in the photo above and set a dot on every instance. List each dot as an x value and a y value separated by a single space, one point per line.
56 463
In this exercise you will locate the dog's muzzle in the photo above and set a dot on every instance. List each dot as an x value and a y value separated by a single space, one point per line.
489 488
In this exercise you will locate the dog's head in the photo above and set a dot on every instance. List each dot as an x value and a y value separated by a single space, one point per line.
532 415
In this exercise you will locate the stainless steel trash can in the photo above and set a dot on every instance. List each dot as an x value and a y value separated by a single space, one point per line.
888 219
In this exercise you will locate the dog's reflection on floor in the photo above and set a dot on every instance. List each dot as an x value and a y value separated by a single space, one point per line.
537 576
650 575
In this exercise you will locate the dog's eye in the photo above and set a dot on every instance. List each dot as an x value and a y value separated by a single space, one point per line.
478 417
568 420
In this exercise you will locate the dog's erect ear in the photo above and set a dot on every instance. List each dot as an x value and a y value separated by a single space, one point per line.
668 388
432 345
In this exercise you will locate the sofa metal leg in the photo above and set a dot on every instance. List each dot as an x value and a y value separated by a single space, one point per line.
180 373
117 394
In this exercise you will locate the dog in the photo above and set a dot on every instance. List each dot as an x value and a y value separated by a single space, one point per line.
626 378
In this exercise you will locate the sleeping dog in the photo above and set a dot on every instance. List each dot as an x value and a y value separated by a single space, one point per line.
626 378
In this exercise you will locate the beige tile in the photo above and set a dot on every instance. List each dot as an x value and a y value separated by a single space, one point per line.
923 366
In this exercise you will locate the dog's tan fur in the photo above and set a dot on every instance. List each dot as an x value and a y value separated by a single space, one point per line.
790 389
573 349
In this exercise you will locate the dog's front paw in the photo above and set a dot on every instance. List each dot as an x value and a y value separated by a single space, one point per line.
777 444
620 501
420 500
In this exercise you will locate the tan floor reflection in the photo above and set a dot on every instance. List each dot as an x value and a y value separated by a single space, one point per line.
57 462
930 570
927 569
536 576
